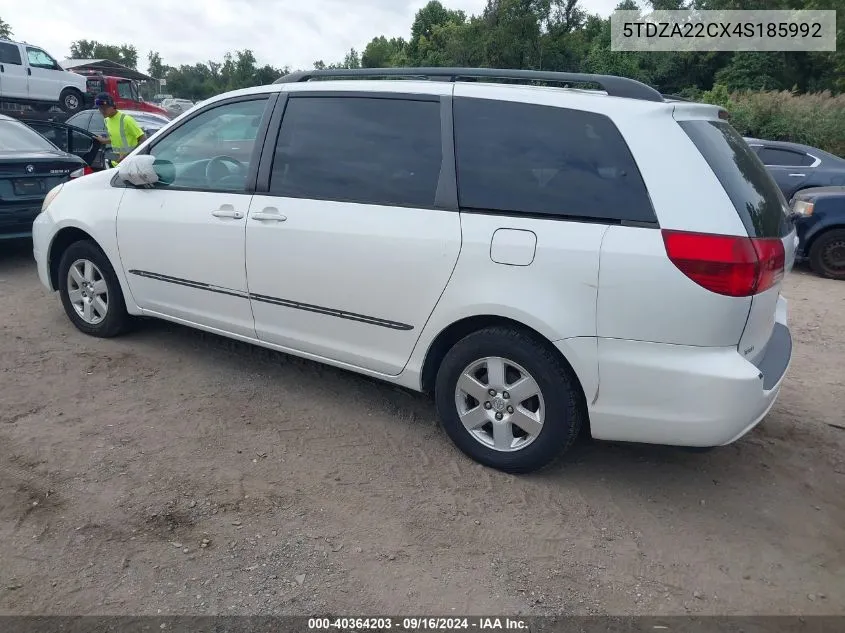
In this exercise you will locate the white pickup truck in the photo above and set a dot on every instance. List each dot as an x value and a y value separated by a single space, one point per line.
29 75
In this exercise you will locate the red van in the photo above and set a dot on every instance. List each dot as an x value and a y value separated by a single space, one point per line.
124 92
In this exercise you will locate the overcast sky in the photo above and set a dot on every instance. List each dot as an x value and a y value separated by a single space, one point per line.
291 33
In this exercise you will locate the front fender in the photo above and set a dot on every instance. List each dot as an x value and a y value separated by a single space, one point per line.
88 205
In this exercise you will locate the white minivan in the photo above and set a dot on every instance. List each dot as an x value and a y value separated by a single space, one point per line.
29 75
539 259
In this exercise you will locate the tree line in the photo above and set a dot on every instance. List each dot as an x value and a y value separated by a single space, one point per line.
531 34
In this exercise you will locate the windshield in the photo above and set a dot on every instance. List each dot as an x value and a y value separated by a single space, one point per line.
17 137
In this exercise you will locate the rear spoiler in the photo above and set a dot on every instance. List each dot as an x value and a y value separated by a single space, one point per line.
684 111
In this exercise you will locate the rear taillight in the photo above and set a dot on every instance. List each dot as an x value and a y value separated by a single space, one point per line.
81 172
725 264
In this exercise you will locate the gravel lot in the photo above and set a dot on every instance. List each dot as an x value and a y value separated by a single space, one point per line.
170 471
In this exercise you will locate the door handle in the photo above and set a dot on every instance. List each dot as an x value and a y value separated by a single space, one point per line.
227 211
797 175
29 71
269 214
2 68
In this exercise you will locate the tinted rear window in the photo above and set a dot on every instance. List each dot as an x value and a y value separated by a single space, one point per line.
755 195
356 149
545 161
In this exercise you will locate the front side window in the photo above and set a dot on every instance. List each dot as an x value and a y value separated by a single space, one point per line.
81 142
199 154
40 59
521 158
124 90
359 149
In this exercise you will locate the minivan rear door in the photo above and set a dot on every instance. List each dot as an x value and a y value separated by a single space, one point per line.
762 208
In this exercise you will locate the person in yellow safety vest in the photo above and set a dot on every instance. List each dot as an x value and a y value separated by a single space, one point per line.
124 133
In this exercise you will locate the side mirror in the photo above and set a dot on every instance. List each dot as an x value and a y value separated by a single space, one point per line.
143 170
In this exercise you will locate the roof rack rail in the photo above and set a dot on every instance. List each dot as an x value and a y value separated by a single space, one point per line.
614 86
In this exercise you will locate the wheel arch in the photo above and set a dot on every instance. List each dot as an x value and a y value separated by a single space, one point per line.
454 332
61 241
819 232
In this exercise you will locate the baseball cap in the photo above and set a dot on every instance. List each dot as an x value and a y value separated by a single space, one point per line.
104 99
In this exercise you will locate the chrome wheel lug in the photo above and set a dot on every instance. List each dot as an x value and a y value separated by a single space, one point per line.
499 416
488 405
510 409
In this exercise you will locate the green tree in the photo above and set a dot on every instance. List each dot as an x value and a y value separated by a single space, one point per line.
155 67
432 15
384 53
5 30
125 54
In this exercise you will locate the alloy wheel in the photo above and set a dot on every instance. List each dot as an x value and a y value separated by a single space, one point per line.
500 404
88 291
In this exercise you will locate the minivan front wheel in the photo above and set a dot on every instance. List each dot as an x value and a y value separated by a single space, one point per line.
507 400
90 291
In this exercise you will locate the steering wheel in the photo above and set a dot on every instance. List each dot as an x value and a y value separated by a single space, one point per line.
216 165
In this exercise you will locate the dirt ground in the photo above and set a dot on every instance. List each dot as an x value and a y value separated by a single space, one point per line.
174 472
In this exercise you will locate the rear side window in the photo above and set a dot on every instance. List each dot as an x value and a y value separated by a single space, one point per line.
784 157
10 54
548 161
358 149
755 195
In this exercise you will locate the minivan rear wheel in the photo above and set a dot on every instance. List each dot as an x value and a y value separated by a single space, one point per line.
507 400
827 255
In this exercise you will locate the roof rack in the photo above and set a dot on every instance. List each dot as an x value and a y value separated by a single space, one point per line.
614 86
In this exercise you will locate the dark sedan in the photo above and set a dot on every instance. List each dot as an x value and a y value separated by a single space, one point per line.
92 121
795 167
820 222
30 166
72 140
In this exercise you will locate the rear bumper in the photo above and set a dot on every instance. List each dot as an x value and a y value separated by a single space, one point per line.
16 221
686 396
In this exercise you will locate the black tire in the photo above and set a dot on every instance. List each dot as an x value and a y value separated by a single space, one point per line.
827 254
561 394
117 320
71 101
